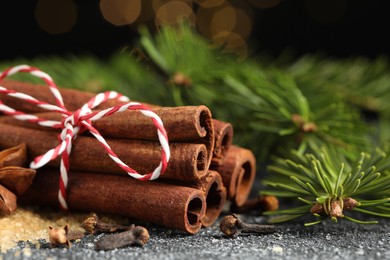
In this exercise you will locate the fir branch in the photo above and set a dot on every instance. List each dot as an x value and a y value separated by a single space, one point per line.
359 81
266 102
337 184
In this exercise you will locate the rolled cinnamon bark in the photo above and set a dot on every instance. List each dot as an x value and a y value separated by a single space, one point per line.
188 161
73 99
163 204
190 124
223 135
238 172
215 193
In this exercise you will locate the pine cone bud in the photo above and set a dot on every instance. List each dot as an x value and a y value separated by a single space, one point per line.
335 209
350 203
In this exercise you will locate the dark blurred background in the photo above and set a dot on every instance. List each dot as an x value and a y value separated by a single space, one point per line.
338 28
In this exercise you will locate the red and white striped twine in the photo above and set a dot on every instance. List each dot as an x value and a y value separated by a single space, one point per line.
77 122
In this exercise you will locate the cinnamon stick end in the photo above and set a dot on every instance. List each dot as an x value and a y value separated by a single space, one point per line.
215 198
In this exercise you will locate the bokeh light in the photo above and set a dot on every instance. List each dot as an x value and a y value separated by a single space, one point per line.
56 17
203 20
174 12
120 12
147 12
224 20
226 23
209 3
156 4
244 23
231 42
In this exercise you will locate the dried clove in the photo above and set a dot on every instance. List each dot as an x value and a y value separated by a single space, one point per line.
59 236
75 235
231 226
93 225
135 236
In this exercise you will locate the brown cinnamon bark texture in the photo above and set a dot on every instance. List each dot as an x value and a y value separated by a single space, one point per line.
188 161
73 99
215 194
190 124
238 172
164 204
223 132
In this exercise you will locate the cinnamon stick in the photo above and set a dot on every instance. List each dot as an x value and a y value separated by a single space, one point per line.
163 204
223 135
215 193
73 99
238 172
191 124
188 161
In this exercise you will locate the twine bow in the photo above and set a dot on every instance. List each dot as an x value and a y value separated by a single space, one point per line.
75 123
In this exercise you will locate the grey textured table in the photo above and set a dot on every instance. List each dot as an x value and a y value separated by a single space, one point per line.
343 240
327 240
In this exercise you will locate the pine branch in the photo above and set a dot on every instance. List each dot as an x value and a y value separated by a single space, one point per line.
265 102
330 184
358 81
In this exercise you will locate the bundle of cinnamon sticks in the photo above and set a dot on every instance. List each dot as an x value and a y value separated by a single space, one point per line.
205 169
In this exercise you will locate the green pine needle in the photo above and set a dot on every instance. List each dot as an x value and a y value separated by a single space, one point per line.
336 184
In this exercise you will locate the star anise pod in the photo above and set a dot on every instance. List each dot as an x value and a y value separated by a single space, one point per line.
7 201
14 178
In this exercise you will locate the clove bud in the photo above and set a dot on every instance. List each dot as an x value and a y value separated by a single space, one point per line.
135 236
93 225
231 226
59 236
